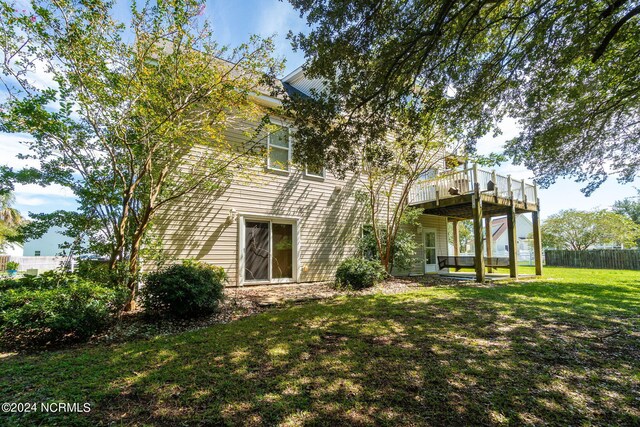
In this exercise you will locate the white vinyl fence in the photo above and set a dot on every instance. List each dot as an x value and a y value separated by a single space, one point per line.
40 263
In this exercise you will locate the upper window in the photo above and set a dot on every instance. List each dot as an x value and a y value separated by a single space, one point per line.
279 146
429 174
314 171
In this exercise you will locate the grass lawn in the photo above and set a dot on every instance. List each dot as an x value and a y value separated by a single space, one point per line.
560 351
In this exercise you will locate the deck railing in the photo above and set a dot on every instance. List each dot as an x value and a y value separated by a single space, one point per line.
463 181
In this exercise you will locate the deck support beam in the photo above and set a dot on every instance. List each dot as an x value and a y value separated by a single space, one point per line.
513 242
456 238
489 240
537 239
476 205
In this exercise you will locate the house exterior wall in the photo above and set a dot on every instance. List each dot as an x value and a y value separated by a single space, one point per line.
207 226
325 211
47 245
524 228
426 222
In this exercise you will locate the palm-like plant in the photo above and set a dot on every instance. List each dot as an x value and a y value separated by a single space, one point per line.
9 215
10 219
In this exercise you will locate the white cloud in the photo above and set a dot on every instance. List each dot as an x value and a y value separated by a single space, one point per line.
11 147
50 190
273 19
40 78
26 200
490 144
276 19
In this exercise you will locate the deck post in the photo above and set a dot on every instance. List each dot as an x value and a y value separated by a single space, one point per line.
537 239
475 174
489 240
494 178
456 238
476 204
513 241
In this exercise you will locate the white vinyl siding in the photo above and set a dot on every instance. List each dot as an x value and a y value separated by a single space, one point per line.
328 218
426 222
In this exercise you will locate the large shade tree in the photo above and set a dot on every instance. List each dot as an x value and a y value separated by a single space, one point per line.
580 230
568 70
629 207
134 115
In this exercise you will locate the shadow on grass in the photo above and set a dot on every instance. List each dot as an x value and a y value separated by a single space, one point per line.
517 354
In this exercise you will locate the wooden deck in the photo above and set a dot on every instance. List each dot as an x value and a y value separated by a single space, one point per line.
457 187
475 194
461 207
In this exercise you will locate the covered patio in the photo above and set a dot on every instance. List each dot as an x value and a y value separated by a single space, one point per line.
474 194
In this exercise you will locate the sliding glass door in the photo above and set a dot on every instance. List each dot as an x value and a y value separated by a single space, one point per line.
257 251
269 251
282 250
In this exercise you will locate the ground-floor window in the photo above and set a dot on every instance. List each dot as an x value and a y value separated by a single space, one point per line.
269 250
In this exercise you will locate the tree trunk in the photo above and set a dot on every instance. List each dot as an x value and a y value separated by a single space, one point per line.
134 254
132 279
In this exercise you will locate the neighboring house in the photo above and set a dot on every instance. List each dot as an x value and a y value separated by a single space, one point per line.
500 239
607 246
282 224
47 245
38 255
12 249
524 228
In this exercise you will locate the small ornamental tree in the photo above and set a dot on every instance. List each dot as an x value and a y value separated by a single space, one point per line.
389 168
134 116
389 151
465 232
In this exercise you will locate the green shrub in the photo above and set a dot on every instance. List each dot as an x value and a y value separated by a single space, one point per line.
96 271
403 251
12 265
186 290
55 307
359 273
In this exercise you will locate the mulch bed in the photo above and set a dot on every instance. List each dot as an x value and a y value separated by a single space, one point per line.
246 301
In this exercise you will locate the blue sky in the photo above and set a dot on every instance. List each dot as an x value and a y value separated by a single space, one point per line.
234 22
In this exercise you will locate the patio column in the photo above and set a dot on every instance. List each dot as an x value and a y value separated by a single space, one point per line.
476 204
537 239
489 239
513 241
456 238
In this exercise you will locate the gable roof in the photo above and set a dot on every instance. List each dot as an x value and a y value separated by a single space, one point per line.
499 225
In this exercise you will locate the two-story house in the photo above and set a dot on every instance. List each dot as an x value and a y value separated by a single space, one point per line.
283 222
